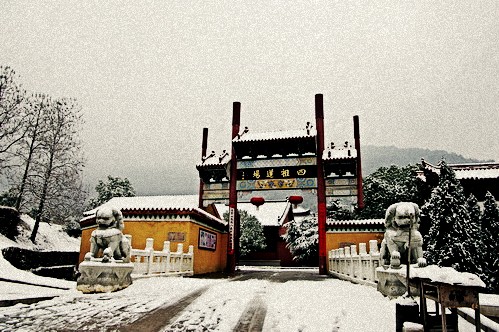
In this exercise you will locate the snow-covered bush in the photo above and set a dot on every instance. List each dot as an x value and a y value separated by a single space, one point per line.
388 185
72 228
490 240
451 240
113 187
302 239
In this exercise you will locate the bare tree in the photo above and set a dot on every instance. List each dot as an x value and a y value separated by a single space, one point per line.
12 112
59 159
31 142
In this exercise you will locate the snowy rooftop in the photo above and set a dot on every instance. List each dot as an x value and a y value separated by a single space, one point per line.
269 214
214 159
489 173
188 203
469 171
275 135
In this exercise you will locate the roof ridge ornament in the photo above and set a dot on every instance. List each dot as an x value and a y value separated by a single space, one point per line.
212 154
222 156
309 127
246 129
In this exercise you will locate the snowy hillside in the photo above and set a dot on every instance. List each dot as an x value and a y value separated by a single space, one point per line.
50 237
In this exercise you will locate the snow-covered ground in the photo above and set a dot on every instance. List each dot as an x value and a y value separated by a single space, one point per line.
325 304
50 237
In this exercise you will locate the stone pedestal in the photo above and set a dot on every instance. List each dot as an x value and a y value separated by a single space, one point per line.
98 277
392 282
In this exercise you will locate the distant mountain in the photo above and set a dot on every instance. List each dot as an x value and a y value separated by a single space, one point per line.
374 157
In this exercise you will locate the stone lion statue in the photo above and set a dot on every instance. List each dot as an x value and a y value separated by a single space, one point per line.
395 245
108 236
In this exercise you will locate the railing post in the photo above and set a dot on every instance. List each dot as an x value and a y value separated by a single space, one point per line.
150 249
166 259
333 260
374 259
348 261
330 259
355 261
191 258
180 252
342 261
364 261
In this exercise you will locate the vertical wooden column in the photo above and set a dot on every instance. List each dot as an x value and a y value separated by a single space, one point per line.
204 146
233 219
321 183
356 135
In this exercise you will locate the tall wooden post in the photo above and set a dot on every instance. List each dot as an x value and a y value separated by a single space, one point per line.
321 183
356 135
204 146
233 219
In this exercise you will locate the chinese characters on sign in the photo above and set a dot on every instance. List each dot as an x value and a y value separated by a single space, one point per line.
176 236
232 220
267 173
207 240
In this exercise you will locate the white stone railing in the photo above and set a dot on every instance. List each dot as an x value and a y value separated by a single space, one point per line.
148 261
346 263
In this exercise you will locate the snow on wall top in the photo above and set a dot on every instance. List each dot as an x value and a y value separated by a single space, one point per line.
355 222
339 153
275 135
268 214
187 203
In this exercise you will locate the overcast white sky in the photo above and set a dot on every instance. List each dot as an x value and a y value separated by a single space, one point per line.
150 75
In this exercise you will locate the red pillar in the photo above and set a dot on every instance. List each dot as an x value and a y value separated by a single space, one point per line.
204 147
233 220
356 134
321 184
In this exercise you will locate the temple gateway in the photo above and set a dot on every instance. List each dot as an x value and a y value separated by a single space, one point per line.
276 176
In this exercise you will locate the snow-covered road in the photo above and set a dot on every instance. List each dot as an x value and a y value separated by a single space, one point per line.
283 301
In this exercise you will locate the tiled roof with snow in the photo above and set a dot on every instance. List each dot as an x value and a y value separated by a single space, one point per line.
339 153
215 160
484 173
469 171
268 214
187 203
275 135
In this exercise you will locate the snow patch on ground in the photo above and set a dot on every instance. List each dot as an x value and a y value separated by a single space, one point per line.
328 305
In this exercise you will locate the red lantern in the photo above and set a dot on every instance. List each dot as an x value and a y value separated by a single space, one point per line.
295 200
257 201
